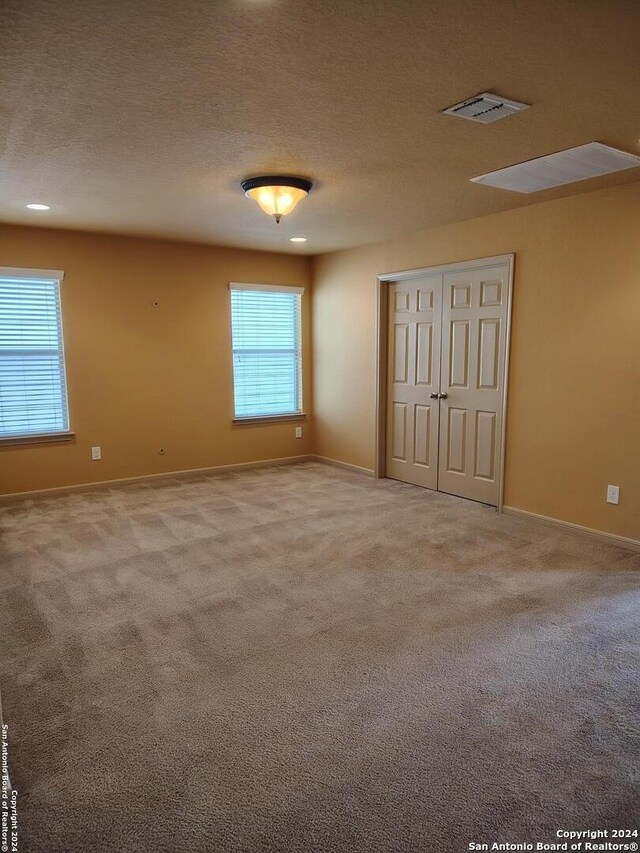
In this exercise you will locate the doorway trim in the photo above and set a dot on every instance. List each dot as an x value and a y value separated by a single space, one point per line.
382 333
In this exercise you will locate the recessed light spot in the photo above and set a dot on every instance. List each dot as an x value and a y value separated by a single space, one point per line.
38 206
298 239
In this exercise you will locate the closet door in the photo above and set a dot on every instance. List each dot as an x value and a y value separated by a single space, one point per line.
474 319
413 379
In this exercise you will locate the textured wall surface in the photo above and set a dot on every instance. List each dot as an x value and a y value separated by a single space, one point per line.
574 394
140 377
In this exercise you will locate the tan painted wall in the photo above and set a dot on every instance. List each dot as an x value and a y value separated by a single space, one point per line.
141 378
574 396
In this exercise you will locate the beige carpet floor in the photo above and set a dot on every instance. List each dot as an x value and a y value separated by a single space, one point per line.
302 659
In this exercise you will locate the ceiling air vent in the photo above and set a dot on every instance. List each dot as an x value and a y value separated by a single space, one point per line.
564 167
485 108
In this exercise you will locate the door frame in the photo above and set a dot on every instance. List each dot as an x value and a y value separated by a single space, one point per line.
382 335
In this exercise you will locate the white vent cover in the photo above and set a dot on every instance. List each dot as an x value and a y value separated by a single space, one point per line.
564 167
485 108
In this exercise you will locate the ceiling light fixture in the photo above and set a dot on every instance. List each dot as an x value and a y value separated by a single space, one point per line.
298 239
276 195
38 207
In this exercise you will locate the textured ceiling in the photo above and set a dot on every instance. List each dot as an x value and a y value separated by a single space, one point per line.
143 116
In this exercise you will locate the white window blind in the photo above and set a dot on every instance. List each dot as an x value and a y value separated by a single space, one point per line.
33 393
267 354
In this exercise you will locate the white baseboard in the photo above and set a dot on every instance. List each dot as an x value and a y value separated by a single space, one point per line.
368 472
144 478
570 527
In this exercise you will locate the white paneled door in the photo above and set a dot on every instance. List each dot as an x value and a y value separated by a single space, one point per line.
413 379
447 341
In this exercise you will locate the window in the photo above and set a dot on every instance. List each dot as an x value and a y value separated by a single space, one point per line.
33 392
267 357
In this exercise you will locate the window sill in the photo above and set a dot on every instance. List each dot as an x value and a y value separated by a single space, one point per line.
44 438
269 419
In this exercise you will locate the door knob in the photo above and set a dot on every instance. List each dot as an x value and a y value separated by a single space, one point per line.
433 396
443 396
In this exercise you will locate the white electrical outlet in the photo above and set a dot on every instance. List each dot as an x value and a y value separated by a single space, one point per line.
298 432
96 453
613 494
